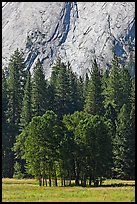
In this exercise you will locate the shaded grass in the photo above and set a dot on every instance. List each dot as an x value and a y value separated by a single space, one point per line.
28 190
118 183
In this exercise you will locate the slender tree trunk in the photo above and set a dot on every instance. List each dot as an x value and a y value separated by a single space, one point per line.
43 181
101 181
96 182
40 182
90 178
77 172
77 178
77 181
84 182
64 181
46 182
56 182
49 178
55 177
43 175
81 181
61 181
70 178
67 179
70 181
61 172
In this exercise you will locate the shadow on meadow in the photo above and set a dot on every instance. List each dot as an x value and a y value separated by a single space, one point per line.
35 183
103 185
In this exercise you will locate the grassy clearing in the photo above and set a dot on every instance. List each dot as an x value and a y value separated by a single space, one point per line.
27 190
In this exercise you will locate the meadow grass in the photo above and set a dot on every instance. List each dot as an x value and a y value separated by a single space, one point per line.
27 190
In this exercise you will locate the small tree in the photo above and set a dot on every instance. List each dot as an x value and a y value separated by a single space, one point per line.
17 171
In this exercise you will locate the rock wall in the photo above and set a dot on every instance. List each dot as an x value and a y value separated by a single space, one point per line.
75 31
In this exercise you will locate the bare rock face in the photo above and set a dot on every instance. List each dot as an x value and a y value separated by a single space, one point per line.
75 31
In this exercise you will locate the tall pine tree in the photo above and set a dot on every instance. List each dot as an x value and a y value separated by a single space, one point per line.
131 138
64 83
26 113
5 140
16 83
39 91
113 91
121 144
94 97
126 84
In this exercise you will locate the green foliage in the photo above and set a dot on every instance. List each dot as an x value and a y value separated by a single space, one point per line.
121 144
113 88
67 95
5 140
126 84
67 127
94 97
41 144
17 171
26 113
15 89
92 142
131 136
39 91
16 83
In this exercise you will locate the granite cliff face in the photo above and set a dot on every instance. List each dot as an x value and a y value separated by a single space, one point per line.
75 31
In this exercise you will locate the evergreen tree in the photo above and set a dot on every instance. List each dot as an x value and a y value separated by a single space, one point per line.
72 83
94 97
95 134
4 101
131 138
130 64
121 144
126 85
116 90
25 118
39 91
113 91
26 112
86 81
62 94
55 73
105 84
75 91
80 94
111 115
5 141
16 81
74 144
89 156
79 146
64 86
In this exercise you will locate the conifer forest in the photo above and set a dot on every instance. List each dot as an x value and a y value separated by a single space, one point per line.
68 127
